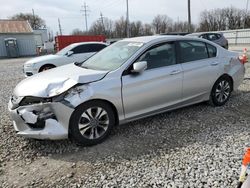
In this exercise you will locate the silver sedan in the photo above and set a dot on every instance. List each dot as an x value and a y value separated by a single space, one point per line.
131 79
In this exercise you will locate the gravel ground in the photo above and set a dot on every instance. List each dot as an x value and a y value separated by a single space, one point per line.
197 146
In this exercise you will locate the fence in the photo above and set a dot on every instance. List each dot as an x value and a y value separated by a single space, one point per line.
237 37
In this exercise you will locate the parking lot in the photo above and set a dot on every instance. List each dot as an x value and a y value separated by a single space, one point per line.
197 146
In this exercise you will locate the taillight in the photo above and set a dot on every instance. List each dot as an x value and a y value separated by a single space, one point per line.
243 58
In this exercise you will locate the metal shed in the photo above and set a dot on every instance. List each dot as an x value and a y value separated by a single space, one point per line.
22 32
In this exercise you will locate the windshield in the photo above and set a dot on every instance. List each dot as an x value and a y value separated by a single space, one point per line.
65 50
112 57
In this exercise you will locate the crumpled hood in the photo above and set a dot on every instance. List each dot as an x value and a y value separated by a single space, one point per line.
42 58
56 81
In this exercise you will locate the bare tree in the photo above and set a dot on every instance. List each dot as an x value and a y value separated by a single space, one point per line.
78 32
162 24
182 27
222 19
102 27
235 18
35 21
136 29
96 28
147 29
120 28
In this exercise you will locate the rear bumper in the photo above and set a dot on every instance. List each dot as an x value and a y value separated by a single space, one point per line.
26 123
238 77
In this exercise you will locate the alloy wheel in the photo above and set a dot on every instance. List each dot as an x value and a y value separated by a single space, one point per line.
222 91
93 123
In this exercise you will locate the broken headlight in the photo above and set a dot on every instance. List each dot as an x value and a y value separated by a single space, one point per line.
74 91
34 100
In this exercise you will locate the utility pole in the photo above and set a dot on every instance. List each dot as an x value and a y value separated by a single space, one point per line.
85 14
127 20
60 27
101 19
245 17
34 21
189 16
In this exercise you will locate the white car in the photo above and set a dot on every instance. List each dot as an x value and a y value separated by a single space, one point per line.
77 52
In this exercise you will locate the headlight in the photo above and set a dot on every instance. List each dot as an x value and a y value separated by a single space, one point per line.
55 89
34 100
29 65
74 91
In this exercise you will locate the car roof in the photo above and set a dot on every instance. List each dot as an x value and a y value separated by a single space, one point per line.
146 39
81 43
200 33
155 38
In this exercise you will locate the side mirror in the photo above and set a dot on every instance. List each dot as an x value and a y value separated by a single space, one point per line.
70 53
139 67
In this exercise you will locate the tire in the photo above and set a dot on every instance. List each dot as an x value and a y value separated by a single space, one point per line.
91 123
46 67
221 91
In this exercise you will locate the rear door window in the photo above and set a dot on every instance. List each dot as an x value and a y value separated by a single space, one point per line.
212 36
212 51
80 49
95 47
204 36
192 51
88 48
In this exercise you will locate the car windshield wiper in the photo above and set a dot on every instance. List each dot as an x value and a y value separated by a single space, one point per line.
78 63
84 67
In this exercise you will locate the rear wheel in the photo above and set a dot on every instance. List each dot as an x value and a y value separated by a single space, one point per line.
91 123
221 91
46 67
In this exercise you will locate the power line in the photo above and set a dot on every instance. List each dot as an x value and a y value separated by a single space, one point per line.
85 11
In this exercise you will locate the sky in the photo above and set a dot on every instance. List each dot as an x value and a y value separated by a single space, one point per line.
144 10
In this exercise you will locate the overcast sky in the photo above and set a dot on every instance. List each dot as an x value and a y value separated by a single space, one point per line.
69 10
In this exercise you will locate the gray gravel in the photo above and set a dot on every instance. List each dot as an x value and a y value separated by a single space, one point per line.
197 146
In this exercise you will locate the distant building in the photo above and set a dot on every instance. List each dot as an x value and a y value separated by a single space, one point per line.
41 36
16 37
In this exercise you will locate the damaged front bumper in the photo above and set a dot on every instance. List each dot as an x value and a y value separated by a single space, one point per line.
41 121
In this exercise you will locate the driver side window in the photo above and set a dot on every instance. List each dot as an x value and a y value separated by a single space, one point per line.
159 56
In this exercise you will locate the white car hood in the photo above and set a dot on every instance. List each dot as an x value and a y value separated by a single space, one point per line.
56 81
42 58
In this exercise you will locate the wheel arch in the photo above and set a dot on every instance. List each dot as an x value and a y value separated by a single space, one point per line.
47 64
106 102
225 75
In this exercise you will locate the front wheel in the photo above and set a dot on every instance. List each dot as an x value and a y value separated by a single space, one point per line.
221 91
91 123
46 67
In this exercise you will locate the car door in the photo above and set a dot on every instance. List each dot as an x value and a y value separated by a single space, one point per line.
200 69
159 86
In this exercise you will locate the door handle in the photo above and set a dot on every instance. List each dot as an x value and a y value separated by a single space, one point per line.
214 63
175 72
